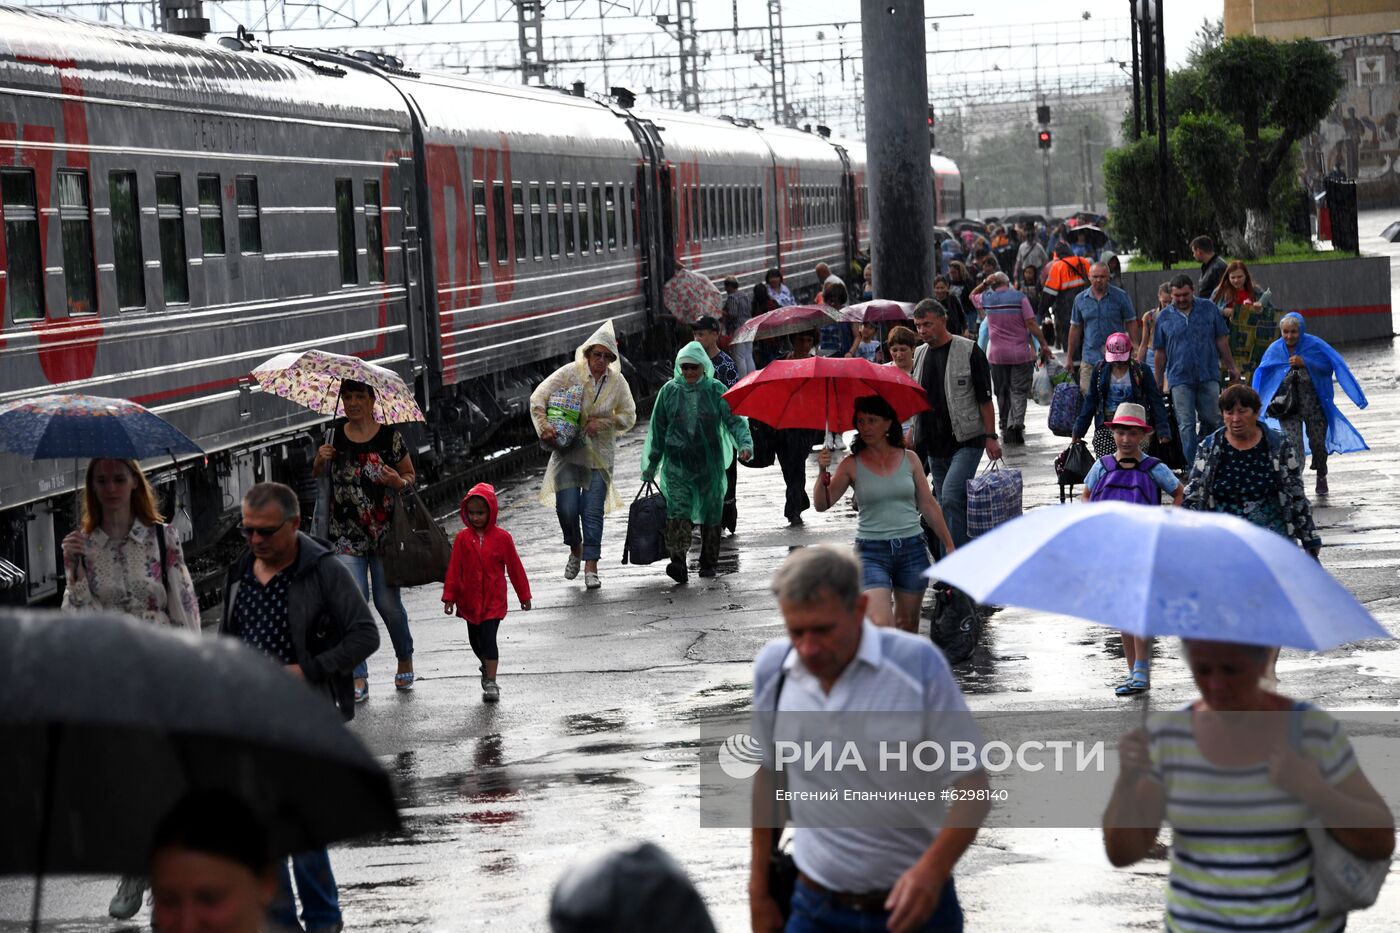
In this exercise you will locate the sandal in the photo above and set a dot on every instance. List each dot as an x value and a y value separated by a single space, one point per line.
403 681
1126 688
362 690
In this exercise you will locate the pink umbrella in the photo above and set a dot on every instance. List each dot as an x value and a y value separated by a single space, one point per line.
878 311
780 322
690 296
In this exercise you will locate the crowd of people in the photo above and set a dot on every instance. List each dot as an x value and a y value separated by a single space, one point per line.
1002 310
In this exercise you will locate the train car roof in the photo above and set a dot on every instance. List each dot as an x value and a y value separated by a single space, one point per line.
689 136
455 109
133 66
942 165
795 146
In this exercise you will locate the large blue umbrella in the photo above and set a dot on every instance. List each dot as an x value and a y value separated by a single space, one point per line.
1161 572
62 426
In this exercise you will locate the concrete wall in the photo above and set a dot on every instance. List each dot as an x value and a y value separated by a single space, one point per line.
1344 301
1297 19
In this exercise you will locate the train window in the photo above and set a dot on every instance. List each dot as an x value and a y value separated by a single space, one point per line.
500 218
692 196
762 217
568 191
726 209
610 203
536 221
374 232
170 217
345 230
736 227
633 211
479 213
75 221
126 240
598 218
585 220
517 214
716 230
249 214
552 193
25 267
211 214
744 216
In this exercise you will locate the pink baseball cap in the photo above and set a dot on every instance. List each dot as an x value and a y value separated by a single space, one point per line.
1118 348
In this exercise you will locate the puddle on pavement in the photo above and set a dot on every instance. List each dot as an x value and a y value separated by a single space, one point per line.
593 723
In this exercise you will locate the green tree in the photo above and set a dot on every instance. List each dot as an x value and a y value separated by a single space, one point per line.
1277 93
1135 219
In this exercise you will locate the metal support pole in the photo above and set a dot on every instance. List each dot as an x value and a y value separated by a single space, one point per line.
1162 163
529 20
1086 171
777 63
1137 71
690 56
1049 202
1149 62
898 171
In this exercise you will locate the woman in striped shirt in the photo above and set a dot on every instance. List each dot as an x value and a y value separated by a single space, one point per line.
1236 786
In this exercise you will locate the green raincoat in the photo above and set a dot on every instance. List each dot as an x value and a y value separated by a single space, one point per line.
692 439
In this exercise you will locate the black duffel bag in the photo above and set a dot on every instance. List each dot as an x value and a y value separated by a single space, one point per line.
646 527
956 627
415 550
1171 452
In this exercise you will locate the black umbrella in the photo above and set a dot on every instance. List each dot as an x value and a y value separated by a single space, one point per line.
106 722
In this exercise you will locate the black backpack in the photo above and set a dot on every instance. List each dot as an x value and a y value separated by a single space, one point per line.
956 627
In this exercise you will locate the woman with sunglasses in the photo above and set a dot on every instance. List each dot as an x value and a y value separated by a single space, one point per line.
122 558
368 463
692 439
579 479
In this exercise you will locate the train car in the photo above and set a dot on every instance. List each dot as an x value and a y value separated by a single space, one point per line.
947 189
175 213
813 217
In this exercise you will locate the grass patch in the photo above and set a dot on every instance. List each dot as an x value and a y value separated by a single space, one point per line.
1284 251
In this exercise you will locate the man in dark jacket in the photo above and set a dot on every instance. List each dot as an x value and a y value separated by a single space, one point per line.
1212 266
288 597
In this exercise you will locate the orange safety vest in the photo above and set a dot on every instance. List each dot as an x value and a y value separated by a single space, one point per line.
1066 273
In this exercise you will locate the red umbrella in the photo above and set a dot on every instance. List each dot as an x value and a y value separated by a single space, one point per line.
780 322
878 311
820 392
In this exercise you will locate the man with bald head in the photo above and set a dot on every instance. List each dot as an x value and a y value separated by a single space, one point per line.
1100 310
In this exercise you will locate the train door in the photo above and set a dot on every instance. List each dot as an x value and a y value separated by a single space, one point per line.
667 198
410 248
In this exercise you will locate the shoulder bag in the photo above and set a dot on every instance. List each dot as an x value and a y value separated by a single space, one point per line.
414 549
1285 403
1342 880
782 868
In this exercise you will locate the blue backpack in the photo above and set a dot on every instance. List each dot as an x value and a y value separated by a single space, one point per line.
1064 408
1120 485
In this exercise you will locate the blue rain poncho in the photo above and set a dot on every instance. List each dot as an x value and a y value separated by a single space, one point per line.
1323 363
691 441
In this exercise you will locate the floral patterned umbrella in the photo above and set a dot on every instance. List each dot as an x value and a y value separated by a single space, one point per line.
879 310
61 426
690 296
312 379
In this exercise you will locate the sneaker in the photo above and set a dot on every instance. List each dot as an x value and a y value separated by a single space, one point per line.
591 581
127 901
676 571
571 567
490 693
361 690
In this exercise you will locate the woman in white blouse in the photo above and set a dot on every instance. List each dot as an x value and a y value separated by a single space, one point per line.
113 563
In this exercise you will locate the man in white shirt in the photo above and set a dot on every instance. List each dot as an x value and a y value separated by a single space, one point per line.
896 877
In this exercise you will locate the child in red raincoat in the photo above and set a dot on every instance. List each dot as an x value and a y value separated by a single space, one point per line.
482 556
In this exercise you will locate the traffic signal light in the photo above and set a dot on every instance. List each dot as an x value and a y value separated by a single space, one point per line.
1042 139
1042 113
930 116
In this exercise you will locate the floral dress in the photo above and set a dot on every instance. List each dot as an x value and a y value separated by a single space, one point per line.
360 507
125 575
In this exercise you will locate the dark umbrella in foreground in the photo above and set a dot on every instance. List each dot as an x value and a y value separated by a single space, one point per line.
106 722
62 426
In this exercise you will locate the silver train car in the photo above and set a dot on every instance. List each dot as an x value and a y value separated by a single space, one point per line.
174 212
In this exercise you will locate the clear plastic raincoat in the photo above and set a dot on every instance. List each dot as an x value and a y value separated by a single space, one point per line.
609 398
692 440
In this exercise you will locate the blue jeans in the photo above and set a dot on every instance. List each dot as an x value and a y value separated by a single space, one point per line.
813 912
581 510
1198 400
320 901
370 570
949 476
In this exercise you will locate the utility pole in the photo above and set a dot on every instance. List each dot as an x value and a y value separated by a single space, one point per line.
1049 202
1161 68
690 68
1086 169
529 20
897 151
1136 28
776 62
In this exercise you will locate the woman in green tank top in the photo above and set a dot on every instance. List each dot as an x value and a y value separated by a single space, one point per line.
894 494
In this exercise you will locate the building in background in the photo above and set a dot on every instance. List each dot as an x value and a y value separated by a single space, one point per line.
1297 19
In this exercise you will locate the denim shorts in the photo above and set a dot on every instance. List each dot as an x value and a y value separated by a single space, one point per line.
897 564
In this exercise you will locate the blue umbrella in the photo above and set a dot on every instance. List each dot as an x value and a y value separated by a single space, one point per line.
1161 572
61 426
